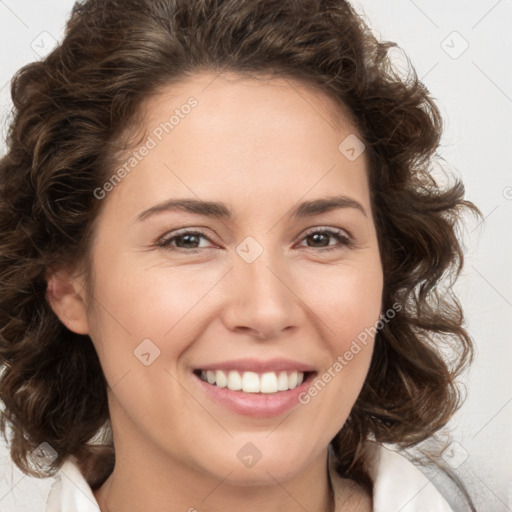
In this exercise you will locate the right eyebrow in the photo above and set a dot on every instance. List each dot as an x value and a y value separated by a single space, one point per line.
207 208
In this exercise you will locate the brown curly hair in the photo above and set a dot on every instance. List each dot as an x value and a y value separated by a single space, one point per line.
70 112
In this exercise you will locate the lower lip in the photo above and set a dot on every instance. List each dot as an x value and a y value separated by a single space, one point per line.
258 405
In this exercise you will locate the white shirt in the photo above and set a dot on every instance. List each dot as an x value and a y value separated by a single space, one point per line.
399 486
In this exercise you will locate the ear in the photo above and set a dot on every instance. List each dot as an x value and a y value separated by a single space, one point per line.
66 295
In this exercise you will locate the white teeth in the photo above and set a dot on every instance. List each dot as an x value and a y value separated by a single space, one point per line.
234 381
282 382
268 383
220 379
252 382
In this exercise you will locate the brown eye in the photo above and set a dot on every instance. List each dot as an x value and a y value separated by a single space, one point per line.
186 240
321 239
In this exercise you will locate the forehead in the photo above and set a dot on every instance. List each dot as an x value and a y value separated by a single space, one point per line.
243 138
229 88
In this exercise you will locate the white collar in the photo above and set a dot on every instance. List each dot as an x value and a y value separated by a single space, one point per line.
399 486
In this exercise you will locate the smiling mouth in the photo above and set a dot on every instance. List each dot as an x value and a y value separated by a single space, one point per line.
253 382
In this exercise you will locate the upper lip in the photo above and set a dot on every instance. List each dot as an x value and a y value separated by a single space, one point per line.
258 365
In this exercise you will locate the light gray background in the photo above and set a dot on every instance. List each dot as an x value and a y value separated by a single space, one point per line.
474 91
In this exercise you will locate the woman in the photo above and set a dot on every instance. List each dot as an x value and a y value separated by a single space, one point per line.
225 262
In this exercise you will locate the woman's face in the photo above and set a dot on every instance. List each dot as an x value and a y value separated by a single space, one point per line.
271 282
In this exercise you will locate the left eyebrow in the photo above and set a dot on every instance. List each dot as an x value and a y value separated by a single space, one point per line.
222 211
326 204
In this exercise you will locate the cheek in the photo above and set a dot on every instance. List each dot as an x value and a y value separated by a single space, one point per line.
349 301
132 303
351 308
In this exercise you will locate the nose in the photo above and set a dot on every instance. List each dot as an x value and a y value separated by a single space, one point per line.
261 298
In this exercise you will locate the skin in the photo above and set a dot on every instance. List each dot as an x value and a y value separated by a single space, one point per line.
260 147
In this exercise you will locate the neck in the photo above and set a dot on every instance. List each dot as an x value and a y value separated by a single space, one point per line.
145 479
158 486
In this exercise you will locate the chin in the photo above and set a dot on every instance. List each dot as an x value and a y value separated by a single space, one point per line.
255 463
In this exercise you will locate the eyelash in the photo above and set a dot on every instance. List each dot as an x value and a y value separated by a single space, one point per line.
339 235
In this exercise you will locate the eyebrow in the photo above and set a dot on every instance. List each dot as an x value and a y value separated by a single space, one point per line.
222 211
